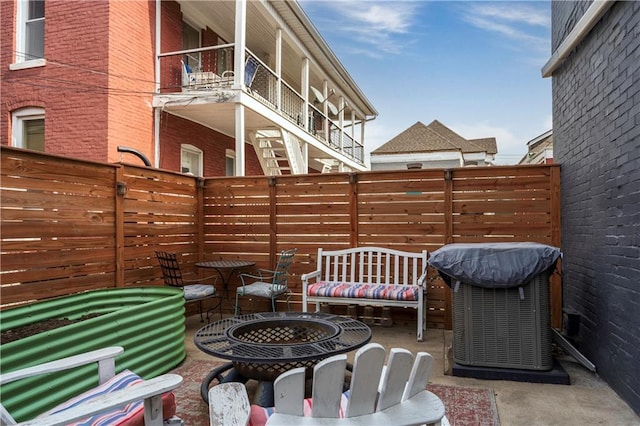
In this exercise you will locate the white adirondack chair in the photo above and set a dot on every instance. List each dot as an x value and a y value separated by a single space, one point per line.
394 394
149 390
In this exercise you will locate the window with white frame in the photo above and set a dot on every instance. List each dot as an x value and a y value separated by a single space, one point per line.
27 126
191 160
30 31
230 162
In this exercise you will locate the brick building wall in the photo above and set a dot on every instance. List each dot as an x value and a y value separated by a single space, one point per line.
97 85
72 87
176 131
596 117
131 56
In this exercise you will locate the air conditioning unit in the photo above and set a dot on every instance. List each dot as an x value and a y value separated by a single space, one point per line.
503 327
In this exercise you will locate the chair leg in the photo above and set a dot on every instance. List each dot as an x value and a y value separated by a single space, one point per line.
200 308
235 310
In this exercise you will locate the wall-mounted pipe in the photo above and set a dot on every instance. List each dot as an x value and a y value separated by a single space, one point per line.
137 153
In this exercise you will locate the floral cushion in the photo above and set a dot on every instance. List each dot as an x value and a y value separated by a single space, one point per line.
260 415
127 415
364 291
197 291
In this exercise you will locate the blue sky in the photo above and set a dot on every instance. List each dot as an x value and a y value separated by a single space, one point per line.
472 65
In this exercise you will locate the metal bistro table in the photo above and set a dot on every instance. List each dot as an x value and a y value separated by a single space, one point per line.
262 346
226 268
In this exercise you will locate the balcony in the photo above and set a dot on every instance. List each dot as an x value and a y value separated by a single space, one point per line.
200 85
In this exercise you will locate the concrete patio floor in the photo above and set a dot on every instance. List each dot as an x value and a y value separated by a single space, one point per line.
587 400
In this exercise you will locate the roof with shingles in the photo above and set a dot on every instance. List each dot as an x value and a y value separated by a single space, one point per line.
434 137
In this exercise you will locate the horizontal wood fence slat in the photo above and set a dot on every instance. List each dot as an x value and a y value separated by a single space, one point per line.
71 225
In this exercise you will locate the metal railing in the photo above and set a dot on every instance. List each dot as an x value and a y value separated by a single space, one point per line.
211 68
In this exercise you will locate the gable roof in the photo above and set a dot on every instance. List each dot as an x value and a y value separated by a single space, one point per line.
434 137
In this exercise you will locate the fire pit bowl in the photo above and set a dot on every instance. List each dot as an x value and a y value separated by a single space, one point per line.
263 346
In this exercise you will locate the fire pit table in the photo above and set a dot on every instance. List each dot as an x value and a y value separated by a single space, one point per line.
262 346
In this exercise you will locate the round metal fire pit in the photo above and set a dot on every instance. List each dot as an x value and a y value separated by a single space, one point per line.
263 346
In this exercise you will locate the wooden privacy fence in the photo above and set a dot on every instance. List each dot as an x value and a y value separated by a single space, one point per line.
70 225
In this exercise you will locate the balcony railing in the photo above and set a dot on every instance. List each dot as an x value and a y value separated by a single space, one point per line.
211 68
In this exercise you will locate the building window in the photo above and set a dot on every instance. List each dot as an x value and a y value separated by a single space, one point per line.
230 157
28 128
30 31
191 40
191 160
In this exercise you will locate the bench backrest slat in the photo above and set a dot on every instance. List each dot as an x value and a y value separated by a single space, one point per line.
371 265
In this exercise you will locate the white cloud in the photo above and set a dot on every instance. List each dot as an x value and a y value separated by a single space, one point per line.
520 14
518 22
380 26
385 17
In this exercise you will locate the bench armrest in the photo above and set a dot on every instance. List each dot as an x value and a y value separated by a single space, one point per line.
307 277
423 278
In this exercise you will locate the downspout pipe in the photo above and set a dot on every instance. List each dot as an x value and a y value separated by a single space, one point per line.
135 152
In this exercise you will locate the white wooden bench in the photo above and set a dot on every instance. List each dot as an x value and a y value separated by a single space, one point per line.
373 276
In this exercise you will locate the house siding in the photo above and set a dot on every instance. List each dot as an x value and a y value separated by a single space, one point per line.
596 116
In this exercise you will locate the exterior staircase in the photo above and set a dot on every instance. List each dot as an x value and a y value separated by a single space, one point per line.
279 152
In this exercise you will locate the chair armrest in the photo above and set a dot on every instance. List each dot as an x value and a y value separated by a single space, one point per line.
150 390
229 405
202 280
263 274
104 357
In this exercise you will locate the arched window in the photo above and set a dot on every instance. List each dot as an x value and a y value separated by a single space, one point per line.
28 128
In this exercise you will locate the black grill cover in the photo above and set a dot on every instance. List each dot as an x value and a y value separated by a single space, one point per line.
494 265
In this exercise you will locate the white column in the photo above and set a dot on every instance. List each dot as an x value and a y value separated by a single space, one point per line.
238 82
279 68
305 92
353 125
240 43
240 137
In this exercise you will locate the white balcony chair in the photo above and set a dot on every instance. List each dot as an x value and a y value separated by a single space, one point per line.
109 396
197 80
378 395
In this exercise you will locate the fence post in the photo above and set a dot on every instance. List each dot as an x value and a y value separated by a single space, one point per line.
119 192
273 222
353 209
200 182
448 239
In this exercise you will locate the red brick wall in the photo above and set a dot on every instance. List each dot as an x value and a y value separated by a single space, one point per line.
72 87
97 86
176 131
131 77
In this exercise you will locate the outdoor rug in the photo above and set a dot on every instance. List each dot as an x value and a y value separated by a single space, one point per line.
465 406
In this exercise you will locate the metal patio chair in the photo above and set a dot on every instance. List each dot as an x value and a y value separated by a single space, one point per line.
195 290
269 284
